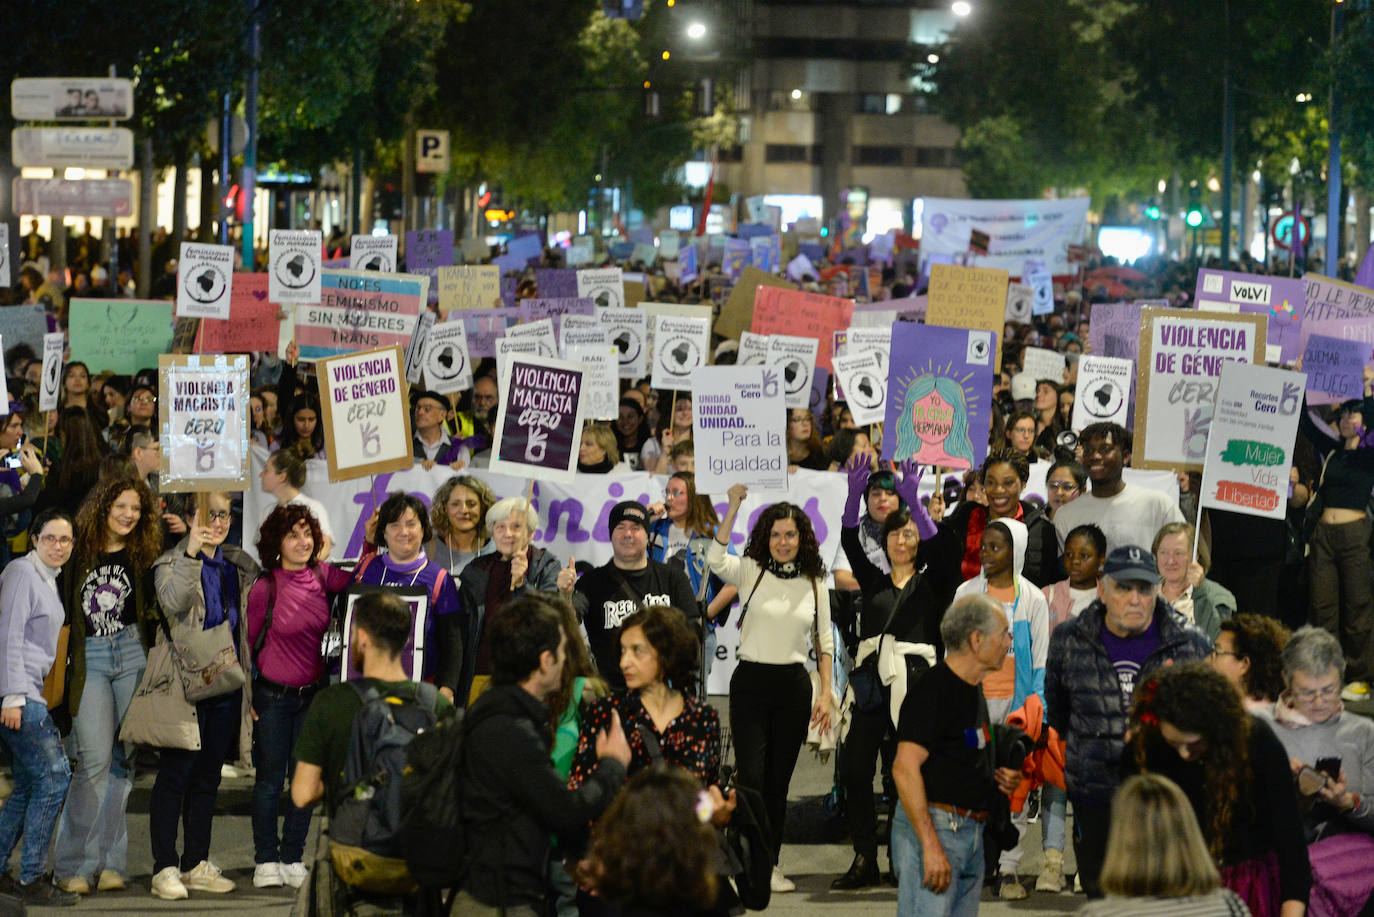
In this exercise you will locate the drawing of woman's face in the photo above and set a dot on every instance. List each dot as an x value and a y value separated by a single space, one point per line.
932 417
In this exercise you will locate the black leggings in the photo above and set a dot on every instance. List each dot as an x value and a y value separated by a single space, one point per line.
770 709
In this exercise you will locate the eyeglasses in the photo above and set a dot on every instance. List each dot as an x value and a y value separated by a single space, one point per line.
219 515
65 541
144 399
1326 693
1217 652
1062 486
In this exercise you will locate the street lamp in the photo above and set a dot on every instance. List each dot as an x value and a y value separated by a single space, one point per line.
961 8
932 58
696 31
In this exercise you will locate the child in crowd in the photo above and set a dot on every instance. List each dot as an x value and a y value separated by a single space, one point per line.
1084 551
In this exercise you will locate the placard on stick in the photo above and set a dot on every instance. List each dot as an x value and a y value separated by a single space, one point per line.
539 419
203 411
366 414
969 297
1250 448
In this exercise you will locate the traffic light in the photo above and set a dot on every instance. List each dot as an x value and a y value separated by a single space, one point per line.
1194 217
1152 210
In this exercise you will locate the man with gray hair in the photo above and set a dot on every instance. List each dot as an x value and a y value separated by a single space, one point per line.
944 768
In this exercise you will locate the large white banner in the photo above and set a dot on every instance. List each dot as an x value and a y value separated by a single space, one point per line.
1017 230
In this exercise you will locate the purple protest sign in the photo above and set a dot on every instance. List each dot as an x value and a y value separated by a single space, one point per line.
526 248
749 230
555 282
539 422
1282 299
508 287
1334 368
1114 329
737 255
532 310
483 327
426 252
939 388
687 264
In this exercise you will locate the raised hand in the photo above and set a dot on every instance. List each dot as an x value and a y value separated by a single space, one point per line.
519 566
567 578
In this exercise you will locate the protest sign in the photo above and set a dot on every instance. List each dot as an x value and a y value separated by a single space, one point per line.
605 287
1325 298
786 311
735 411
1346 329
525 247
468 287
539 420
602 380
687 264
293 258
800 267
969 297
254 320
531 347
447 366
877 340
366 413
679 310
204 415
185 330
555 283
644 253
629 333
48 385
682 346
541 332
1043 364
579 253
1042 291
583 331
360 310
415 348
532 310
205 274
753 349
24 325
1250 448
1103 391
939 389
1282 300
737 312
669 244
795 358
1114 330
474 250
426 251
483 327
1334 368
5 255
373 253
864 383
1181 355
119 335
1019 299
737 255
1016 229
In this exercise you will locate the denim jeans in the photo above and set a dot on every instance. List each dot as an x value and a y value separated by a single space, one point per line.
93 833
962 841
274 736
187 785
1054 812
41 775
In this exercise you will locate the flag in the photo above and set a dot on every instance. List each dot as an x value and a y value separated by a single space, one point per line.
1364 277
706 204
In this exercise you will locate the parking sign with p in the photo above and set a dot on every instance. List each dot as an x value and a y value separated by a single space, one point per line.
431 151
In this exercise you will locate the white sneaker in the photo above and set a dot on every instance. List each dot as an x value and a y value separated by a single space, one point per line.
207 877
267 875
780 883
168 886
295 874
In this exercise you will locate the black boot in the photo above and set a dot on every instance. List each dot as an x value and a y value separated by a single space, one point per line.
863 873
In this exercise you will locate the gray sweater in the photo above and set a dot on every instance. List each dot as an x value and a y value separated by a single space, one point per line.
31 618
1345 736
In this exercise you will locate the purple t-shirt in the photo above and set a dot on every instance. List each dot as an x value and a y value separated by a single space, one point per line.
1128 654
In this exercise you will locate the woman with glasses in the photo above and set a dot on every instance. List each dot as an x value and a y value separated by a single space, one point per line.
804 448
1249 652
140 410
1064 483
111 605
1185 585
201 584
1004 475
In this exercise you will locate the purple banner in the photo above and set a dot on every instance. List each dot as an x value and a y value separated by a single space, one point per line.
1282 299
555 282
1334 368
532 310
939 391
483 327
426 252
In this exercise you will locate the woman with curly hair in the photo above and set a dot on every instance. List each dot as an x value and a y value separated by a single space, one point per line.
1249 652
458 518
111 606
288 614
1187 724
782 580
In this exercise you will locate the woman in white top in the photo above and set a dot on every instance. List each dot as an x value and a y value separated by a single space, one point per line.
786 607
283 476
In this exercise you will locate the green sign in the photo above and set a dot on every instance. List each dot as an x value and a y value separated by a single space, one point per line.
120 335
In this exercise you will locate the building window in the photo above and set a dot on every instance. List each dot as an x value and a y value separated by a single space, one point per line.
786 152
877 156
936 157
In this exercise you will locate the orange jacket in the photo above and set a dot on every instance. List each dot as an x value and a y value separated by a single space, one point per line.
1046 763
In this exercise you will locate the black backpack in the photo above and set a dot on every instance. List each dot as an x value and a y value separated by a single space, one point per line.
364 829
432 834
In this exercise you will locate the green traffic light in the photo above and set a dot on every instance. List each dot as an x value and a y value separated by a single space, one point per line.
1194 218
1152 212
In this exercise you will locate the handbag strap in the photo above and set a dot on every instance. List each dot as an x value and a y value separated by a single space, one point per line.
651 743
744 609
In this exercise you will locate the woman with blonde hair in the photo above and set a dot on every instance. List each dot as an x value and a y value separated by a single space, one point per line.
458 518
1157 861
598 452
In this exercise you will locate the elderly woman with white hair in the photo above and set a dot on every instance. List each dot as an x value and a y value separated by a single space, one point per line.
1332 755
490 581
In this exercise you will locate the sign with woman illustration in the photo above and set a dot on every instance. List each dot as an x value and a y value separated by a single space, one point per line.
938 394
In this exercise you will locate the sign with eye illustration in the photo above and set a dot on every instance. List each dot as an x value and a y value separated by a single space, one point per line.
373 253
363 397
753 349
205 274
680 348
628 330
52 371
864 382
795 359
1103 393
293 258
448 367
604 286
204 414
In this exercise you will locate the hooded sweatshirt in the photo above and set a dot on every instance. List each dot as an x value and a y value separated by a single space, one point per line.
1028 615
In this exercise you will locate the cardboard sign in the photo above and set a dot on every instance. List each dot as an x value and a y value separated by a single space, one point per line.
53 345
812 315
1019 299
24 325
426 252
681 347
447 366
293 259
1114 330
506 347
1103 391
1250 449
363 397
753 349
602 367
360 310
204 414
539 420
1334 368
541 332
412 656
795 359
939 392
1044 364
864 383
474 250
254 320
583 331
1325 298
1281 299
532 310
119 335
628 330
737 312
483 328
604 286
735 412
373 253
469 287
969 297
415 348
1181 355
204 276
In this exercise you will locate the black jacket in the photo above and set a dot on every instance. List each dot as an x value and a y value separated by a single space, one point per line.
541 576
1042 566
606 596
514 801
1083 694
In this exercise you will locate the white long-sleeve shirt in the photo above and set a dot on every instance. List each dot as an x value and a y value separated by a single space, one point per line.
31 618
782 612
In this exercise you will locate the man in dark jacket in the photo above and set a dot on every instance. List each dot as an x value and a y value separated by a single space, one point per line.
513 798
1094 663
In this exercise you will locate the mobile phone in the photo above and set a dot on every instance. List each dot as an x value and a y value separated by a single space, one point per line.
1331 767
1310 780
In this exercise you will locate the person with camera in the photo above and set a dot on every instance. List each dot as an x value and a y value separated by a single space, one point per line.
21 478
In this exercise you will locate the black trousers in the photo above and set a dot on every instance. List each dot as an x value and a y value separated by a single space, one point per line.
1090 824
770 709
869 735
187 784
